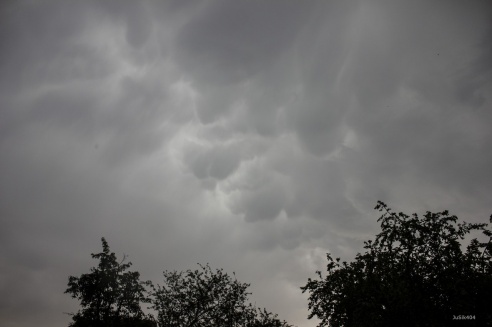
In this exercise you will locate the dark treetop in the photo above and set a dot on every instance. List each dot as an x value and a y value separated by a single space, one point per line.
415 273
109 295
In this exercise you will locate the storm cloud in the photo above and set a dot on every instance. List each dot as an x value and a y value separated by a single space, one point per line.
253 135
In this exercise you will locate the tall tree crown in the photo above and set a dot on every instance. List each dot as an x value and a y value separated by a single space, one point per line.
109 295
415 273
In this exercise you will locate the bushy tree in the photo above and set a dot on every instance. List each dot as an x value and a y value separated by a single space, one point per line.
204 298
416 272
109 295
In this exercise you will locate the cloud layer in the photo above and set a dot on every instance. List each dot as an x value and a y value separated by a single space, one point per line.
255 136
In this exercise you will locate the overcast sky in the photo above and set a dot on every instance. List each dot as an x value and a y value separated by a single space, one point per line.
253 135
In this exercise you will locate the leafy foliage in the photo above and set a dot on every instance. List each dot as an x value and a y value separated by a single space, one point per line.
205 298
109 295
415 273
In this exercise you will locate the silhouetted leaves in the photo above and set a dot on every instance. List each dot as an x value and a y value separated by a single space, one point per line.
109 295
204 298
415 273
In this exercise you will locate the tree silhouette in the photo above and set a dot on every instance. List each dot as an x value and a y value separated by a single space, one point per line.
109 295
204 298
415 273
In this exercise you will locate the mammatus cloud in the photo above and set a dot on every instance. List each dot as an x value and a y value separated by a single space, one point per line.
255 136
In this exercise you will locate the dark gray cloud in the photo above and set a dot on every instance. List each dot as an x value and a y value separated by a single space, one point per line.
228 42
253 135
